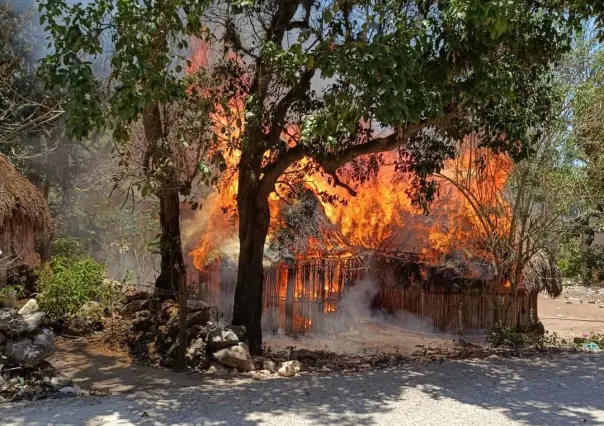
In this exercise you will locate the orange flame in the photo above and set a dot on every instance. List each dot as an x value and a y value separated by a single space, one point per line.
381 216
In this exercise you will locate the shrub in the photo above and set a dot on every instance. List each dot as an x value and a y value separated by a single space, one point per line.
501 335
67 247
65 285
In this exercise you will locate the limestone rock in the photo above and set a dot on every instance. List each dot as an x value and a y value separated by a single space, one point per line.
197 355
260 374
136 306
220 338
239 330
132 294
34 320
201 317
198 330
261 363
167 311
197 305
219 370
290 368
194 318
59 381
165 338
269 365
30 307
11 323
74 389
30 351
88 319
236 356
142 321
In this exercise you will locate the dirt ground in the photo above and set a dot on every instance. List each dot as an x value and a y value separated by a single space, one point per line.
95 367
571 320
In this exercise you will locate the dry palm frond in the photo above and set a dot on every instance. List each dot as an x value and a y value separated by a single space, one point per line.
19 199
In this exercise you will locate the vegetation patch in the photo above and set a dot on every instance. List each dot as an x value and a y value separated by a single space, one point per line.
66 285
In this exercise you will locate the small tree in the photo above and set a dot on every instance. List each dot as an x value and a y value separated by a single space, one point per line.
24 106
518 209
145 85
145 89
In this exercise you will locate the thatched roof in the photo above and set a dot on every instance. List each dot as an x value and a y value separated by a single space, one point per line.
306 230
542 274
19 199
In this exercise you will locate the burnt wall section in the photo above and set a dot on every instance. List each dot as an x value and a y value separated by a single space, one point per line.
328 294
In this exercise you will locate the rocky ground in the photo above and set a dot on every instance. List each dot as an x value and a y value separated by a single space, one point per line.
25 344
575 314
582 294
149 344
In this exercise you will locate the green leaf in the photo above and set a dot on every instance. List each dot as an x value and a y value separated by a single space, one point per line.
310 62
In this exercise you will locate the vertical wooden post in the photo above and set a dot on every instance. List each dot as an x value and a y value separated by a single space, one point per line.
289 298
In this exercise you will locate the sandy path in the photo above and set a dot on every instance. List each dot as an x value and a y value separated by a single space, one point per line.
94 368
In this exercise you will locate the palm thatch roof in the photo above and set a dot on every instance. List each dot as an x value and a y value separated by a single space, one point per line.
306 230
542 274
19 199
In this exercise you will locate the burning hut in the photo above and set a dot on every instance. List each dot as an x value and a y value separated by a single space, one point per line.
437 267
309 267
23 213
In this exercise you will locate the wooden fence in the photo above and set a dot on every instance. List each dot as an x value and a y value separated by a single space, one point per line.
304 297
457 312
299 297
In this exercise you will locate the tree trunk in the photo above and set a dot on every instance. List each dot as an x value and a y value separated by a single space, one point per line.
254 219
172 271
182 322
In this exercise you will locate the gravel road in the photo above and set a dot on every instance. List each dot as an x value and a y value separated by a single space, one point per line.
548 391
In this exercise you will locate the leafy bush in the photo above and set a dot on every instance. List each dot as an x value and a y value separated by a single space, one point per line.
596 338
65 285
582 261
501 335
17 290
67 247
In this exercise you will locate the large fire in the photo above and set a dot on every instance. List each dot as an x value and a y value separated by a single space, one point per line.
468 209
468 213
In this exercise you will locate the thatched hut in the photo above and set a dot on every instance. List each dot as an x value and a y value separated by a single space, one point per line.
23 213
541 274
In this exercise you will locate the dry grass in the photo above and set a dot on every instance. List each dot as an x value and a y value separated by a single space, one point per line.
20 200
542 274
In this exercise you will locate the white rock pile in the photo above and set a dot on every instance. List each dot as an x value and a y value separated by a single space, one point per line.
23 341
220 350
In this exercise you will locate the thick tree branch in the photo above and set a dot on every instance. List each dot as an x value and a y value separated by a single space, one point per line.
338 182
331 163
295 93
298 25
